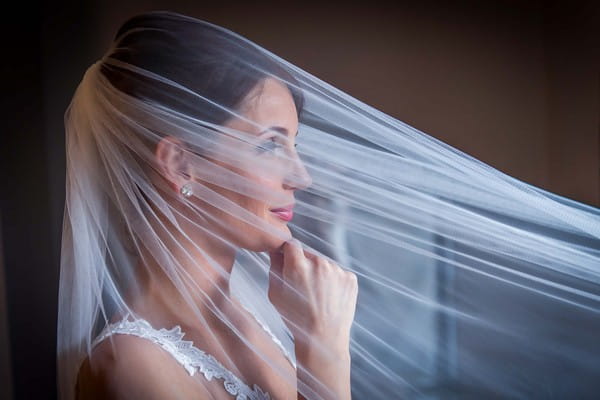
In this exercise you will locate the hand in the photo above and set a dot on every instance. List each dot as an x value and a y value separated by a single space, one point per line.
315 297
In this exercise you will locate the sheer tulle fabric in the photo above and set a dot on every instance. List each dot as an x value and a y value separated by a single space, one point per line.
472 284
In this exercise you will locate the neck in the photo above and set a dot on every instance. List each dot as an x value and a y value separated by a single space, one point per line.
203 269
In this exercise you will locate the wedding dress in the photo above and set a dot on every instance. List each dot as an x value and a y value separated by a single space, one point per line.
472 284
191 358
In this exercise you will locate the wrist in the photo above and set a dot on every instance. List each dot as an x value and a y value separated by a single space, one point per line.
329 351
324 370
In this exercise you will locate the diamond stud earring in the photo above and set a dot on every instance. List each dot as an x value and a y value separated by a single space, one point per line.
186 190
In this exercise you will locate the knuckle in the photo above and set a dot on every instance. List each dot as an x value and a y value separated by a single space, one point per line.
340 270
321 261
352 278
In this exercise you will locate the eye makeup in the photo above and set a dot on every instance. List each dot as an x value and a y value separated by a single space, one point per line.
268 145
274 143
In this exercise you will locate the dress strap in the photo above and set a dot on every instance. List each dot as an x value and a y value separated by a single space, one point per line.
189 356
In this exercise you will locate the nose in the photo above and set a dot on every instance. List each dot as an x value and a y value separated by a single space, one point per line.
298 177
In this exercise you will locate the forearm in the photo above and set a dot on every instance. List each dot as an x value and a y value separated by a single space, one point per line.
323 372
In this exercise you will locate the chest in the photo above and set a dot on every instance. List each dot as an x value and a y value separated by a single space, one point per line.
258 359
248 364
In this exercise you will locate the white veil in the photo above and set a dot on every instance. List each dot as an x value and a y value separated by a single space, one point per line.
472 284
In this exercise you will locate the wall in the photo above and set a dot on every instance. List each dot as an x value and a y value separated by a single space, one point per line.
513 83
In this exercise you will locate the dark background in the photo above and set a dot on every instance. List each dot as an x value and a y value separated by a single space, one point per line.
513 83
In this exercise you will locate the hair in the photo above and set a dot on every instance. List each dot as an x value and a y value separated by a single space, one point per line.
211 72
219 67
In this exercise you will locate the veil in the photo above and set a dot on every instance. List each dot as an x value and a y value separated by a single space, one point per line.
471 284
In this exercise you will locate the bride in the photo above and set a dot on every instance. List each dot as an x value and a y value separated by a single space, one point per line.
223 207
320 307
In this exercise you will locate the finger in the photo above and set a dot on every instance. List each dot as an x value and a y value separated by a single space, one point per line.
316 258
311 256
292 254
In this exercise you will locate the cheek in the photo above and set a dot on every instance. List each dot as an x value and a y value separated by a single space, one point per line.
262 204
268 183
268 189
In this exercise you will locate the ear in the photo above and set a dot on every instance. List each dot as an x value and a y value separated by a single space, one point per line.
173 161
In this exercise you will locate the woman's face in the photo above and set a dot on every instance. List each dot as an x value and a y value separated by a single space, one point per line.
265 169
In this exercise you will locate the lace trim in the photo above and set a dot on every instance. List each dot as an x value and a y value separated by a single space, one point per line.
189 356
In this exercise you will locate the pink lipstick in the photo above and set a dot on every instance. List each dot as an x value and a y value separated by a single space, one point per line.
285 213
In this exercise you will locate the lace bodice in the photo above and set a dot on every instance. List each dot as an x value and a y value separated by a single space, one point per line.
189 356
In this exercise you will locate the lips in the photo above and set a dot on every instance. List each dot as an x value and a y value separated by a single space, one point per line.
285 213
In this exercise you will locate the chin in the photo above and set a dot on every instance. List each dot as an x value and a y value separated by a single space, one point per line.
262 241
270 243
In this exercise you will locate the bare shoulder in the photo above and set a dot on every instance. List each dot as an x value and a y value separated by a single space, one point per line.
130 367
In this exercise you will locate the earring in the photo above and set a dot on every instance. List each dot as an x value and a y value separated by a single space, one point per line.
186 190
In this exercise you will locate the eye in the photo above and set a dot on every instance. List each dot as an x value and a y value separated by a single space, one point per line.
269 145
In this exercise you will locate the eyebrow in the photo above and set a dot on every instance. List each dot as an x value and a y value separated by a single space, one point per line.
279 129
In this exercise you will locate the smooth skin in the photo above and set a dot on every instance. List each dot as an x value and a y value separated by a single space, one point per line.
315 297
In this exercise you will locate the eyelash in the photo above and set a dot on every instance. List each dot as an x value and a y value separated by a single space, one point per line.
262 149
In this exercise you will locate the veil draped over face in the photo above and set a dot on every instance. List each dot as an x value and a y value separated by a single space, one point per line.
180 148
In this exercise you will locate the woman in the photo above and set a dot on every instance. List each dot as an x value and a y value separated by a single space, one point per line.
206 253
181 278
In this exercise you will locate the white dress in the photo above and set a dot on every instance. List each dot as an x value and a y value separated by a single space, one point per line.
190 357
